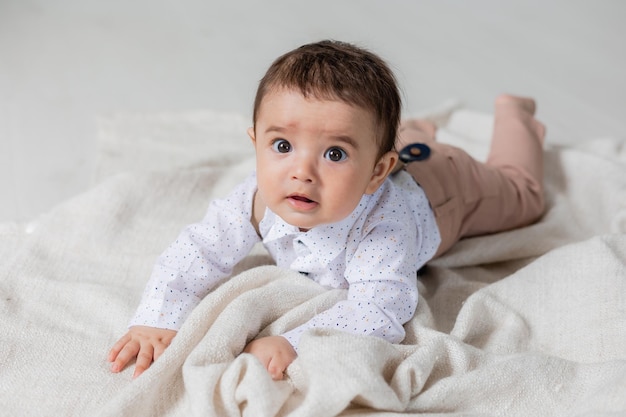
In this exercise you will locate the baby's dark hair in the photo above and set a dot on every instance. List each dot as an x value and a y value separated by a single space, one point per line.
333 70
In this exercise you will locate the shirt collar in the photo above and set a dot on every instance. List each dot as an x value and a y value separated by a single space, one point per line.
326 242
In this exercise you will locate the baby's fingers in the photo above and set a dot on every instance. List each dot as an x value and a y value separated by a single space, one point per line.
159 349
117 347
276 368
144 359
125 355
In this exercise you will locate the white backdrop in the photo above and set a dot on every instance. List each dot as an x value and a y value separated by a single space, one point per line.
65 63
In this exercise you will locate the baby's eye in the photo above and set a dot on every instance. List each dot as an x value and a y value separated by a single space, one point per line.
281 146
335 154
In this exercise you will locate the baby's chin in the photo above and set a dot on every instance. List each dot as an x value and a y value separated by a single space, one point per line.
307 222
302 226
305 226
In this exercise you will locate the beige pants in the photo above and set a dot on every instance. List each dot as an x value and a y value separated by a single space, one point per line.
472 198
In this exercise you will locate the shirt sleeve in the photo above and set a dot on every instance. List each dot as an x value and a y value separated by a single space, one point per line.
382 293
202 256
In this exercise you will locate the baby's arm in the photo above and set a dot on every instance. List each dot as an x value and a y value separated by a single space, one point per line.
202 256
145 343
382 293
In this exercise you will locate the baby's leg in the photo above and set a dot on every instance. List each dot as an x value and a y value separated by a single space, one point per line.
472 198
517 154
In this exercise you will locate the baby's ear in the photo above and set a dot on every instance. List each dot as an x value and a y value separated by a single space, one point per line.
382 169
251 134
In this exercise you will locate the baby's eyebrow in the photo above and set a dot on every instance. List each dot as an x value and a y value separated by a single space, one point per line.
277 129
346 139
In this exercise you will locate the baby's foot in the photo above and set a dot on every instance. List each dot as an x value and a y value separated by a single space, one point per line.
424 125
526 104
415 131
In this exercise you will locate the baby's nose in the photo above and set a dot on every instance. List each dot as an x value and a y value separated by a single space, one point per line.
303 170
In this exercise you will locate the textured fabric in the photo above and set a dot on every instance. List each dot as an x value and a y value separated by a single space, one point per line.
530 322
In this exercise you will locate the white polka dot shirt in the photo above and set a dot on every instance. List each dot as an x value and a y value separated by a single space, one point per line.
374 253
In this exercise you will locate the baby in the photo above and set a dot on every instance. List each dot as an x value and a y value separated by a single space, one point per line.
324 203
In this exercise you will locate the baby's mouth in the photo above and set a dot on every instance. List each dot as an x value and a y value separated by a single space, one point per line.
301 202
301 198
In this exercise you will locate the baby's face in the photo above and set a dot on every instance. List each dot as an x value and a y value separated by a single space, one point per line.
315 158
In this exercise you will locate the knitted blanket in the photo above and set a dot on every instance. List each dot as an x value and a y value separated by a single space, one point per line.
530 322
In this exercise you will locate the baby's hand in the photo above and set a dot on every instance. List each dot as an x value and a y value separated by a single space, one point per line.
143 342
274 352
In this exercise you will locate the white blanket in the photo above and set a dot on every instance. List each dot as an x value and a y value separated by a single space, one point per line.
530 322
